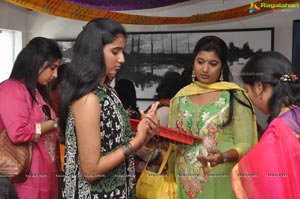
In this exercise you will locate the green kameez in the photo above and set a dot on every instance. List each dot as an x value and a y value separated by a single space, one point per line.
193 179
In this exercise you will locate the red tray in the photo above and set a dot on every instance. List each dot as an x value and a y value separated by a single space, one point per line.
171 134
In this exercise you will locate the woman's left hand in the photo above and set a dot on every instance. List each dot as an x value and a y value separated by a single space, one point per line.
214 159
152 122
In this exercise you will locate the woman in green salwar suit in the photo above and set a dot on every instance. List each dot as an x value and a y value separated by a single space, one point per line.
218 111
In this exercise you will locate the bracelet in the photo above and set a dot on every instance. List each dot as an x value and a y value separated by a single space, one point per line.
38 132
128 150
225 158
55 123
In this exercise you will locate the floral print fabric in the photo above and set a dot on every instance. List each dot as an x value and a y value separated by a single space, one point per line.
115 132
205 122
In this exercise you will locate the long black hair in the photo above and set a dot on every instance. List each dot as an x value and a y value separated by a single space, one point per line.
268 68
31 59
87 67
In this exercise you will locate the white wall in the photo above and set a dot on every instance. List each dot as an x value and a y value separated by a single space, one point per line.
37 24
11 45
14 18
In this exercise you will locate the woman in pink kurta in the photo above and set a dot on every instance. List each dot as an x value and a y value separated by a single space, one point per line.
27 116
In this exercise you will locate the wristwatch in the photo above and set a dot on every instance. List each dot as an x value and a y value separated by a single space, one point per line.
55 123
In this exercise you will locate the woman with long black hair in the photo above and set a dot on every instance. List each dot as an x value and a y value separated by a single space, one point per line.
217 110
27 115
98 138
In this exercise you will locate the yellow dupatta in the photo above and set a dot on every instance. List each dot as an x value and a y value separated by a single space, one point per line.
198 88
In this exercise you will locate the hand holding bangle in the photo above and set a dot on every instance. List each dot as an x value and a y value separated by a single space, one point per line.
213 160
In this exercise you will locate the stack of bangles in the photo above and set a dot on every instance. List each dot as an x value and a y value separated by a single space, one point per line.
128 150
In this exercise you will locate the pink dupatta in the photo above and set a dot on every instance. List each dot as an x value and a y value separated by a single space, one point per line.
271 169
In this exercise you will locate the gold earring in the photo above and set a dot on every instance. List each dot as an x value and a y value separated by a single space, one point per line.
221 77
193 76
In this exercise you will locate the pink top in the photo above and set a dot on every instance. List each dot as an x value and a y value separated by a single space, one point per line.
18 116
271 168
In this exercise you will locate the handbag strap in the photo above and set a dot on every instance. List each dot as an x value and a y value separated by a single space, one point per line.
165 158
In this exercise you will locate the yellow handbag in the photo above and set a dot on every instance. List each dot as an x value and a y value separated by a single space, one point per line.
151 185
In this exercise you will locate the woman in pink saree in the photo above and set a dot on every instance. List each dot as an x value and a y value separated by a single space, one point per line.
271 168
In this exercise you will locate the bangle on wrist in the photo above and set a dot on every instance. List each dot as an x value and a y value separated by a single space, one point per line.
128 150
38 132
225 157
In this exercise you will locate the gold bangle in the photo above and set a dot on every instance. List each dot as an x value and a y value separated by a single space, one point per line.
38 132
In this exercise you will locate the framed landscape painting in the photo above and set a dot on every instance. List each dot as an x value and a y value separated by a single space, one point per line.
66 46
148 55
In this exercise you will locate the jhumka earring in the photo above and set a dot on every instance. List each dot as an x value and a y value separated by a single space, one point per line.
221 77
193 76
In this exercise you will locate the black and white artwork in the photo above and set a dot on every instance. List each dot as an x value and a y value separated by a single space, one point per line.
148 55
66 47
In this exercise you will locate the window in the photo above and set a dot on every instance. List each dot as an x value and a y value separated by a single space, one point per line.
11 45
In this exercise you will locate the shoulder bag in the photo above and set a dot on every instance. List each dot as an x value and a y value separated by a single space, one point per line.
15 159
158 185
